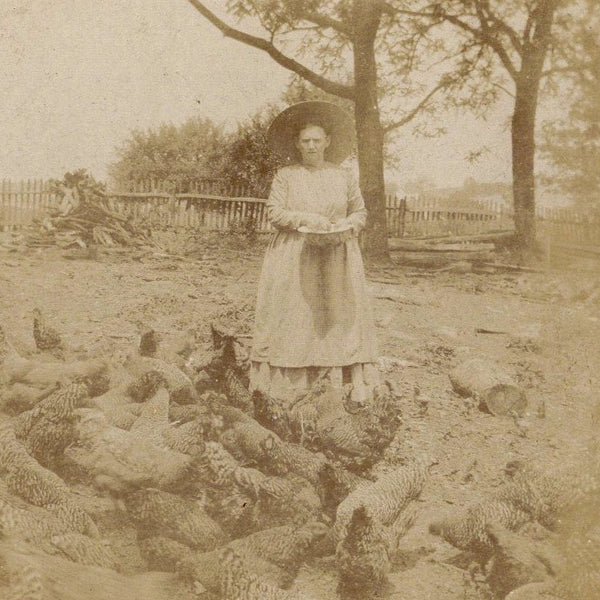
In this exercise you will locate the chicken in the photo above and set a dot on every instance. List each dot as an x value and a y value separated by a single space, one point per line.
517 560
384 498
30 524
47 429
335 483
238 583
154 418
47 339
467 529
286 500
84 550
36 487
181 519
286 546
180 386
283 457
146 385
228 375
270 413
164 553
546 496
148 343
363 558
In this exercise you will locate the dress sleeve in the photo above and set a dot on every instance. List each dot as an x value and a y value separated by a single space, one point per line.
357 213
280 217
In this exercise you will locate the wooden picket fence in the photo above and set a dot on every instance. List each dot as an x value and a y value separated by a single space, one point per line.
213 204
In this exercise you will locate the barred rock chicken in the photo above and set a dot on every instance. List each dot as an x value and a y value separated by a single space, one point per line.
146 385
117 459
546 496
227 374
270 413
47 339
31 524
84 550
47 429
384 498
282 457
34 486
467 529
335 483
184 520
517 560
14 458
581 576
164 553
285 500
238 583
154 418
180 386
363 558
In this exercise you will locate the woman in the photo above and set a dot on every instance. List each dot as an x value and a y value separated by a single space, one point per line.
313 313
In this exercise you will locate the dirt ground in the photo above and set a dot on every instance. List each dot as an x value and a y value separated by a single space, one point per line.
426 323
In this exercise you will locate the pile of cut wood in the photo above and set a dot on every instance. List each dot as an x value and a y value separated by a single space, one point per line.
83 219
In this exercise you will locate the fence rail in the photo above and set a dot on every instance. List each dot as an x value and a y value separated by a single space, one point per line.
158 205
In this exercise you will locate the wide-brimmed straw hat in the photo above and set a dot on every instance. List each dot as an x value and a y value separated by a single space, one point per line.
285 128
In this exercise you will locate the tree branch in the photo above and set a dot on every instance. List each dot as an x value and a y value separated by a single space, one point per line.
419 107
327 22
486 39
329 86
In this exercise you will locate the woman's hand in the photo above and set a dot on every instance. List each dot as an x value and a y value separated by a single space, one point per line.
343 223
316 222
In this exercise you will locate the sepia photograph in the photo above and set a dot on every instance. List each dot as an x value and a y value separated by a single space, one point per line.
300 300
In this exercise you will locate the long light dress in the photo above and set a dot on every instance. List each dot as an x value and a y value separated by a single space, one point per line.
313 311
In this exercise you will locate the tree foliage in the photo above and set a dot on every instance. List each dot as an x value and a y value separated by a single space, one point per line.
245 158
572 143
512 45
361 51
177 155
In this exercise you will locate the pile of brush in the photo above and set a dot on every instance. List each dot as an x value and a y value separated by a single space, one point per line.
84 217
224 490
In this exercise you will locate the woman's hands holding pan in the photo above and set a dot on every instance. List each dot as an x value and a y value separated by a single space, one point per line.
316 222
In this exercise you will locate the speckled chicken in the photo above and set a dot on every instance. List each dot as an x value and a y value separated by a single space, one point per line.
238 583
363 558
47 429
467 529
30 524
335 483
47 338
228 376
179 384
146 385
285 500
384 498
164 553
545 496
517 560
158 512
271 414
84 550
284 457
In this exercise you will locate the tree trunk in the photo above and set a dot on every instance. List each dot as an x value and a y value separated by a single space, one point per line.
523 153
527 84
369 131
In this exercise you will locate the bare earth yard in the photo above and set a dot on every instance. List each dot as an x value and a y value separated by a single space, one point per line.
426 321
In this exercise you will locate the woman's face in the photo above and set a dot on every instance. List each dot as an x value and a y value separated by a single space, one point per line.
312 143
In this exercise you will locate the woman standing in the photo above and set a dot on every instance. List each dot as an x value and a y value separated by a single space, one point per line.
313 313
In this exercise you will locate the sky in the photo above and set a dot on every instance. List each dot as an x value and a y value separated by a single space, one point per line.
80 75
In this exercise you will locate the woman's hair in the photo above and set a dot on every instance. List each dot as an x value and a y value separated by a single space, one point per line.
312 122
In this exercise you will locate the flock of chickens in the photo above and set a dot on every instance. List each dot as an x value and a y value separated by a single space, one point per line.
230 494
